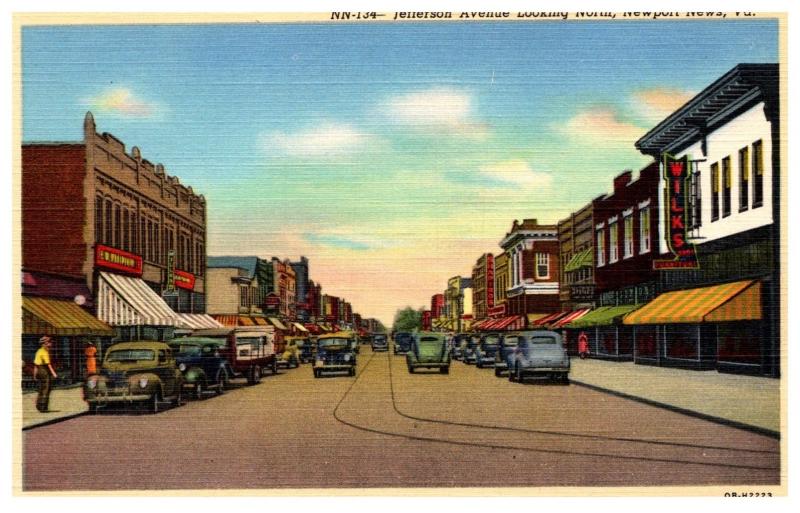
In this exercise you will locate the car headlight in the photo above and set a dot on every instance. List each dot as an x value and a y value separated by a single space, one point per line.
143 382
92 383
347 357
182 367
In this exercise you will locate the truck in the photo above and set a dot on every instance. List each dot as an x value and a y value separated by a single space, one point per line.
250 350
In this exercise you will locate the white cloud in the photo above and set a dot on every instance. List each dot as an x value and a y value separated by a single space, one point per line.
601 125
516 173
123 102
443 111
654 105
325 140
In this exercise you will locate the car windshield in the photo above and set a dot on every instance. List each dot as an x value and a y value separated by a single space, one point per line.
511 341
543 341
491 340
334 342
428 340
379 338
130 355
471 343
186 350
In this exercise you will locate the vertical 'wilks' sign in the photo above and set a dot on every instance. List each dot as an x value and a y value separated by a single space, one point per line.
676 174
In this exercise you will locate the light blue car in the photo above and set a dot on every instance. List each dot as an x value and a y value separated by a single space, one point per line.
539 353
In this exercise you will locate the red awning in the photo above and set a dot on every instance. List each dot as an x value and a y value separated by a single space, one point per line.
573 315
313 329
515 322
549 319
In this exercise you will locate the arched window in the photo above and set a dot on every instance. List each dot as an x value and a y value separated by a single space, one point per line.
107 224
117 226
98 219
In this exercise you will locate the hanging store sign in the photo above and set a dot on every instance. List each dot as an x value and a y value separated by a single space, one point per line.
489 280
118 260
272 300
676 211
171 271
183 279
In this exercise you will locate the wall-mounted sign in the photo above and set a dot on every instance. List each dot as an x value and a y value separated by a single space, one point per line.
497 311
676 212
272 300
117 259
183 279
171 271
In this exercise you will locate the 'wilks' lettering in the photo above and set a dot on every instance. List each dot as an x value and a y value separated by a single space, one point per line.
676 173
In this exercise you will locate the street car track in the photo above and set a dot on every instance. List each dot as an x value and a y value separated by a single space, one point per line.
368 429
565 434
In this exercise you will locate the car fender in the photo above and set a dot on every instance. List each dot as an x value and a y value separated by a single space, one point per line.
194 374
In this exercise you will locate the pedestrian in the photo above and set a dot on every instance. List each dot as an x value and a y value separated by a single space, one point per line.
91 358
583 345
44 371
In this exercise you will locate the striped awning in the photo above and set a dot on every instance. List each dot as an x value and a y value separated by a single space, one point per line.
126 301
44 316
737 301
300 327
198 321
602 316
227 320
514 322
259 321
572 316
245 320
580 260
548 319
277 323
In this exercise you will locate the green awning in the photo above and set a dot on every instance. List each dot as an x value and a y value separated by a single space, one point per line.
603 316
581 259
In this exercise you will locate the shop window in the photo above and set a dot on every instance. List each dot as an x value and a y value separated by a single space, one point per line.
726 187
740 342
624 340
758 174
601 249
644 230
682 341
744 178
628 236
607 343
714 191
613 242
646 341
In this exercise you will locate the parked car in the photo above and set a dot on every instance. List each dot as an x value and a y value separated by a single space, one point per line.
429 350
457 345
469 349
486 350
508 343
402 342
290 357
335 354
135 373
250 350
539 353
308 350
380 342
203 367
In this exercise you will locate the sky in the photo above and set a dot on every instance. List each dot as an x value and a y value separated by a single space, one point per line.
391 155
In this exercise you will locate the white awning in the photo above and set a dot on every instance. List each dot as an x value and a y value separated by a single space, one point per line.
126 301
198 321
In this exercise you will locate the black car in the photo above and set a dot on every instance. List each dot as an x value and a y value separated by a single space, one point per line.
202 365
380 342
457 345
402 342
486 350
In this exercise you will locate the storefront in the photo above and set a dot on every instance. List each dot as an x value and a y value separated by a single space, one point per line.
134 309
701 328
608 337
71 328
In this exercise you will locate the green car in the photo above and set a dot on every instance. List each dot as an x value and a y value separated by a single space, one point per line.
135 373
429 351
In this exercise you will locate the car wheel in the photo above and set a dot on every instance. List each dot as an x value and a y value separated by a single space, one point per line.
478 364
410 369
496 372
444 370
199 388
352 371
518 373
178 397
511 375
316 373
93 408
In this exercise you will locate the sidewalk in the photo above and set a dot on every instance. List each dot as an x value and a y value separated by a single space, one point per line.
749 402
64 403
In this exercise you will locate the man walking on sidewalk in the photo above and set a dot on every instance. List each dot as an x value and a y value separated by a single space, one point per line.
44 370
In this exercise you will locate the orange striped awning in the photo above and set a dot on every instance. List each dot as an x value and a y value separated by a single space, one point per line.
737 301
260 321
227 320
44 316
246 321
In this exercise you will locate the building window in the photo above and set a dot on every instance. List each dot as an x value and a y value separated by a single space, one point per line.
714 191
758 174
108 228
744 178
243 293
726 187
644 230
98 219
126 229
628 242
117 227
613 242
601 247
695 210
542 265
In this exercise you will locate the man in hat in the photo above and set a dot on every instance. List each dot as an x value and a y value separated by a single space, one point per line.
44 370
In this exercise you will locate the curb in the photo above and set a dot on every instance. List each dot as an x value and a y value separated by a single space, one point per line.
691 413
54 421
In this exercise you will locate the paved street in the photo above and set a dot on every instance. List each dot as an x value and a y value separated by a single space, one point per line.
387 428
